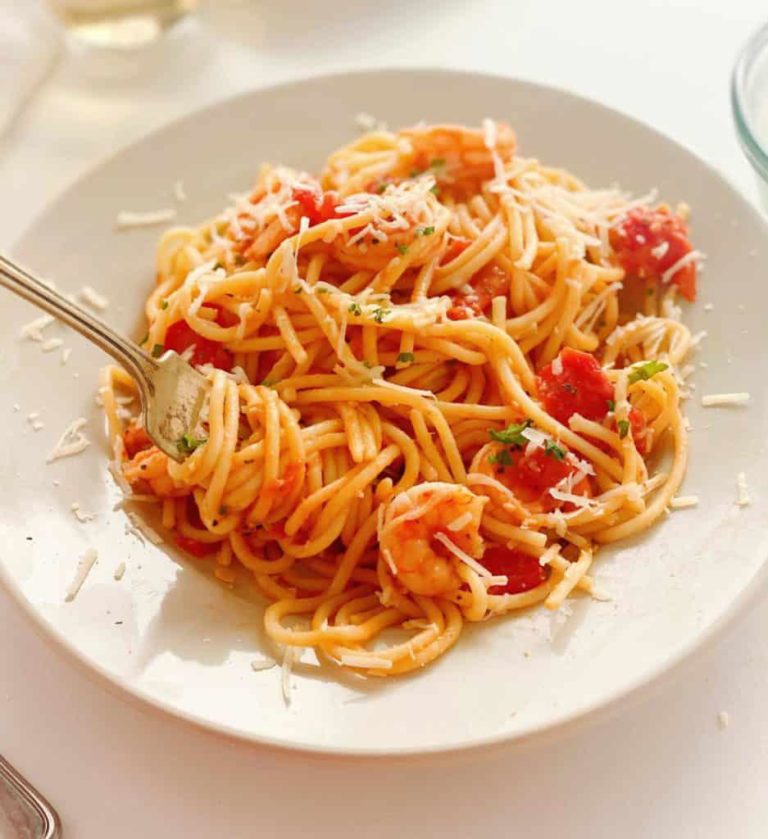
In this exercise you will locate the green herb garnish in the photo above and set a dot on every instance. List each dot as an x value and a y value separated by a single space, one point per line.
157 350
405 357
163 304
611 405
269 382
437 163
643 372
354 308
379 314
187 443
553 450
502 457
402 249
382 188
425 231
512 435
623 426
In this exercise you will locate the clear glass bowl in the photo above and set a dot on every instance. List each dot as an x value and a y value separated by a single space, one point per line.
749 100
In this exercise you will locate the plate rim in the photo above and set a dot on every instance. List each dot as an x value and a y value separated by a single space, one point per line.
588 712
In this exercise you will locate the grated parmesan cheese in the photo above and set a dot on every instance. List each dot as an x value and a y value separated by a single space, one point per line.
79 514
557 366
71 442
142 530
691 256
118 573
479 569
683 502
65 354
92 298
86 562
713 400
742 491
33 331
179 193
51 344
723 719
289 657
460 522
127 219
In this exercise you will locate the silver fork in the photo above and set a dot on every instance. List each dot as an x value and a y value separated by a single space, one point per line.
172 392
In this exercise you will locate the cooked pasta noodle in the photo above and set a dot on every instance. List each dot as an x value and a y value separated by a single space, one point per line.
441 377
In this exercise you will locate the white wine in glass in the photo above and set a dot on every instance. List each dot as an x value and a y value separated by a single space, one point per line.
120 23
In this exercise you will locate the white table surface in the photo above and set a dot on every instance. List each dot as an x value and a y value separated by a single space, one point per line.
656 765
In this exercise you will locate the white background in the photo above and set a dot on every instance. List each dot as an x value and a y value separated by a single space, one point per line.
657 765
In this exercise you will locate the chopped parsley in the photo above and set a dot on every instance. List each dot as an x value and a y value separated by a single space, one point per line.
437 163
414 173
611 405
502 457
405 357
434 190
380 314
186 444
323 290
512 435
157 350
368 365
623 426
425 231
354 308
163 304
402 249
553 450
643 372
382 188
269 382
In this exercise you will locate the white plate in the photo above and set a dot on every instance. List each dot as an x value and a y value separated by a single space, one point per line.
169 634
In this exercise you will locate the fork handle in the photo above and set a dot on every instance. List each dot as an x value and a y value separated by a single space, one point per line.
17 279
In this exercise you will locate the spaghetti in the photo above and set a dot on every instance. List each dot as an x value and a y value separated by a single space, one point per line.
441 377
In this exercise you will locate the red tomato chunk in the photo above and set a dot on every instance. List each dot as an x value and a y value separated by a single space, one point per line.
180 336
523 572
196 548
488 283
316 205
648 242
581 387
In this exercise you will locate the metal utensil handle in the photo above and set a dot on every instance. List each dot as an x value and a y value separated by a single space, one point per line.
20 800
31 288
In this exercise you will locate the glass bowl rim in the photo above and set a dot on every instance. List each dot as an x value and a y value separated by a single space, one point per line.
754 149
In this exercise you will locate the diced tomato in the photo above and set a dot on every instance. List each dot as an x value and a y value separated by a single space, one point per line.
456 246
648 242
135 439
523 571
316 205
223 317
180 336
488 283
531 476
194 547
581 387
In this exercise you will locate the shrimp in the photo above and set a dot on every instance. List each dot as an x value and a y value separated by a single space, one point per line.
460 155
454 154
270 214
409 528
405 223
